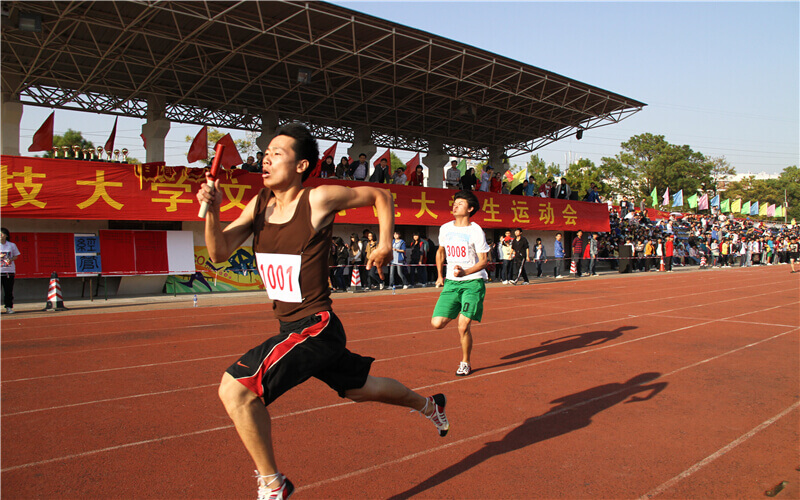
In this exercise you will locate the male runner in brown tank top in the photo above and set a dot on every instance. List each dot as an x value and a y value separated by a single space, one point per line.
291 228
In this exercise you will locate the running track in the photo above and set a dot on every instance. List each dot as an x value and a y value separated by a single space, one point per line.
651 385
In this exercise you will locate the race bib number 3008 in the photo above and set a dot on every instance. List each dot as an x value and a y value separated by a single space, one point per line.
281 276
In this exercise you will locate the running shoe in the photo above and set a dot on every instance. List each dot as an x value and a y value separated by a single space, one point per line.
282 493
463 369
438 417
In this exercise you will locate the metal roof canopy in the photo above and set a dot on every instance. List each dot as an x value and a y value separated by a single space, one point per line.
225 63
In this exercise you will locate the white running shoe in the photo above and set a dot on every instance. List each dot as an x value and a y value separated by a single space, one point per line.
438 417
9 310
281 493
381 286
505 282
405 287
463 369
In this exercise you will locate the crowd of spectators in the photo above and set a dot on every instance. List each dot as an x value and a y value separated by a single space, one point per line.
635 243
490 180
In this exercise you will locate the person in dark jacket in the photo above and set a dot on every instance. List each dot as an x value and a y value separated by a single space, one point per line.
469 180
381 173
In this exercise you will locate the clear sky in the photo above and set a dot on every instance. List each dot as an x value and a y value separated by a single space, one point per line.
722 77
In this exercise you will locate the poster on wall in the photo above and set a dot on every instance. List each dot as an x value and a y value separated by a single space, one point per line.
238 273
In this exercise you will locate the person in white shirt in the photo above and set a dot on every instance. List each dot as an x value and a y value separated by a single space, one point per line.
8 254
463 245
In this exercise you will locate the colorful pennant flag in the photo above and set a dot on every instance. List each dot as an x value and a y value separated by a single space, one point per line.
462 166
199 148
702 203
745 208
779 211
771 210
144 141
519 177
43 138
387 155
762 209
725 206
677 199
230 157
331 151
110 142
736 206
754 208
692 201
411 165
654 196
715 201
665 200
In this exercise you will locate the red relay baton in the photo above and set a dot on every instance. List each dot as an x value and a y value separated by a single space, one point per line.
214 171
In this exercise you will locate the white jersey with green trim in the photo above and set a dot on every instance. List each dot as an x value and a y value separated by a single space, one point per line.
462 246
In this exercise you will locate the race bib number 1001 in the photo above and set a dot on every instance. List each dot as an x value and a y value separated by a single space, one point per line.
281 276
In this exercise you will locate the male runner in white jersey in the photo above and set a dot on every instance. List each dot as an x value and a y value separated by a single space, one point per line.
291 227
463 244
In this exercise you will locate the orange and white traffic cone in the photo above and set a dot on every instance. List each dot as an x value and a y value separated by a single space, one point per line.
55 302
573 268
662 268
355 280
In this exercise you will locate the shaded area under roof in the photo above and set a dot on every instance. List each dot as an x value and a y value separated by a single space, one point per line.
225 63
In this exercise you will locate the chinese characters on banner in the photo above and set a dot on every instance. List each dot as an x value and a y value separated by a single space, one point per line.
42 188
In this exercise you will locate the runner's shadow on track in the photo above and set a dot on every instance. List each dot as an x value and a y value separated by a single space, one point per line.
572 412
559 345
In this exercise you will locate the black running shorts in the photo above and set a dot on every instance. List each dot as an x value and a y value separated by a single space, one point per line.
311 347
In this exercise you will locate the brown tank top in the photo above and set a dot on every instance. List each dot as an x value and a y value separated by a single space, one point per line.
296 237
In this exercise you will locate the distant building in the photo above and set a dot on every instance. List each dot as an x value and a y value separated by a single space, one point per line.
722 184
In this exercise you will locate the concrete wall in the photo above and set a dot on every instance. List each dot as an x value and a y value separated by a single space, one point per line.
32 290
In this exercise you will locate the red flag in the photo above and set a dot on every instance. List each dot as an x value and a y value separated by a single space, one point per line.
328 152
199 148
110 142
386 155
230 157
144 140
43 138
411 165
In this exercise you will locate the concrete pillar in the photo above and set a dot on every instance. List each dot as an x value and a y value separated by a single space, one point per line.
11 116
156 128
362 143
495 159
436 161
269 122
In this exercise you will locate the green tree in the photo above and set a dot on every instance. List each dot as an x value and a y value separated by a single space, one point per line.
770 190
69 139
396 162
582 174
720 168
540 171
648 161
244 146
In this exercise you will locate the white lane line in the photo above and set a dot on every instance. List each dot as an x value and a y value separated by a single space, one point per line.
717 454
113 448
269 319
108 400
729 321
517 318
373 468
409 457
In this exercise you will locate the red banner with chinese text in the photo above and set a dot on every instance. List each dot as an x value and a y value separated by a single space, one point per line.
43 188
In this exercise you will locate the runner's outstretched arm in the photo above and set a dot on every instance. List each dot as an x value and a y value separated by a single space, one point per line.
327 200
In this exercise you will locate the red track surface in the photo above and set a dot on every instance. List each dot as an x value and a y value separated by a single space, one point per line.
679 385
